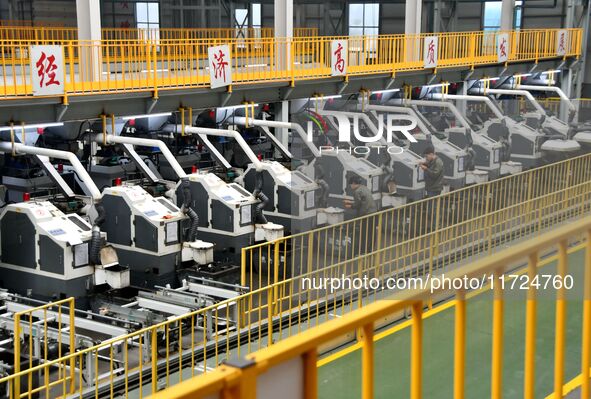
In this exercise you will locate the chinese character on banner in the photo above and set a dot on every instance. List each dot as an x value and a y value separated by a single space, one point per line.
47 70
561 36
220 66
430 51
338 57
502 47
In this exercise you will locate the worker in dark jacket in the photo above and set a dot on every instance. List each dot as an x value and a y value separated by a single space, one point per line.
363 202
433 168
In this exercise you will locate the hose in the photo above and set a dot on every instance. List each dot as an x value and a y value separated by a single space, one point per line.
258 194
316 121
96 240
320 119
470 158
389 172
194 224
187 210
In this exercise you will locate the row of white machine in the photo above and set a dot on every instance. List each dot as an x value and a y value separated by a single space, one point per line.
176 234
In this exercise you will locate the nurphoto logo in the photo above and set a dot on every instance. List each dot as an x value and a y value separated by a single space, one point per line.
393 124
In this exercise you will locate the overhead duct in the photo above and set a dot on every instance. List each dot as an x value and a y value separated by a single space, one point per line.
67 156
551 89
524 93
281 125
203 132
136 141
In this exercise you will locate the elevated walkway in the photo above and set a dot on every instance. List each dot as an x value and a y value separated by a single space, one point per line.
131 77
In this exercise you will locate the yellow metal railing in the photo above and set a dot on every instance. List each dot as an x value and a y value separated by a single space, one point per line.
33 325
269 262
152 357
302 350
552 104
140 65
59 34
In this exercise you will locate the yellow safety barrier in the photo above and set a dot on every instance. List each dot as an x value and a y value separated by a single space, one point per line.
38 329
60 34
269 262
552 104
162 355
302 350
139 65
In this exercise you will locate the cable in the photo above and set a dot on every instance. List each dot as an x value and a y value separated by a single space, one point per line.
316 121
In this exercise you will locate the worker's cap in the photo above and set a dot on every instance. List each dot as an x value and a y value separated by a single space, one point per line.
355 180
429 150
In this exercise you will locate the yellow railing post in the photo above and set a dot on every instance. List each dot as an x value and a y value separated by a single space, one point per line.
367 362
434 239
530 332
243 266
276 257
560 333
460 346
17 355
378 244
416 352
155 60
154 350
586 336
497 343
310 374
72 345
488 217
270 328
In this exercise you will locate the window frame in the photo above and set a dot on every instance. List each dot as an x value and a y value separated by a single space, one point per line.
363 26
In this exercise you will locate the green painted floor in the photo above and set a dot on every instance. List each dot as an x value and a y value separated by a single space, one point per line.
341 378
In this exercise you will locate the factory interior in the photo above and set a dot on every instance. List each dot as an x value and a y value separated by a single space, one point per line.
295 199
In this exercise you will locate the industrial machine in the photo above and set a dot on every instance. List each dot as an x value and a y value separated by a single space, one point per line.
498 131
49 254
558 138
219 212
319 197
487 152
581 132
457 172
287 199
322 160
401 166
520 142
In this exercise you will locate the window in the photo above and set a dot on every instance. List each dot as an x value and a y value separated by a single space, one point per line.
492 15
517 13
256 15
364 19
241 22
147 17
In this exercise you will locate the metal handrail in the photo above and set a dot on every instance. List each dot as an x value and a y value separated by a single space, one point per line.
241 381
115 66
288 308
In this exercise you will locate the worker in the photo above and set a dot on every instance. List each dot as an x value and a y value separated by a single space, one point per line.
363 202
433 168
